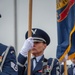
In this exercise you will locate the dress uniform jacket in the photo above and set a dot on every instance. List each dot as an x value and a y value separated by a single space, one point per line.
22 66
9 66
70 70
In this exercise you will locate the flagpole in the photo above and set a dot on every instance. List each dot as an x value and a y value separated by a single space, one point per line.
65 68
29 34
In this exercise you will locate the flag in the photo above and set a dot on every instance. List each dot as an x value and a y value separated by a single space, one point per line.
65 28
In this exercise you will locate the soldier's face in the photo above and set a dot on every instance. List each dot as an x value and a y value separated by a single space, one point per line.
38 48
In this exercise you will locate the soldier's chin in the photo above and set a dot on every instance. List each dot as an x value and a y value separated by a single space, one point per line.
34 52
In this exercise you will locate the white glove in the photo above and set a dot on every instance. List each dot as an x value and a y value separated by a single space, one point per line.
28 45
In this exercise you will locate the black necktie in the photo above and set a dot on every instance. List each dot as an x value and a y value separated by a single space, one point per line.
35 59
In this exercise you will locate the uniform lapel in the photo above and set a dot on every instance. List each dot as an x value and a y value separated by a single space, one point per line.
39 65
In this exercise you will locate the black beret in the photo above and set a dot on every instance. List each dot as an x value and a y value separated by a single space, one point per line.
39 35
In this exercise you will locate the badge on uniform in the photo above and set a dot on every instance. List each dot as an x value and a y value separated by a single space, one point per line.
14 66
46 70
12 52
0 59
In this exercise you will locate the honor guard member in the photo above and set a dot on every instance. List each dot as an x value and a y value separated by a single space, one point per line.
7 60
39 64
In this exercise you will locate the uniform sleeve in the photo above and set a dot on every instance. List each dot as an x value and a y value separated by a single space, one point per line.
21 62
10 64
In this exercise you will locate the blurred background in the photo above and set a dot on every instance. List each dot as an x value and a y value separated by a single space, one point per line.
14 22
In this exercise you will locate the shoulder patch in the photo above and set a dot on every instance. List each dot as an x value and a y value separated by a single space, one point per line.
14 66
12 51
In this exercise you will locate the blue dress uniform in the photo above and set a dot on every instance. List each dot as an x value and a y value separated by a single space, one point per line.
42 67
8 64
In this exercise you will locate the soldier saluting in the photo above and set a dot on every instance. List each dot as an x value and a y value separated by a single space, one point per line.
39 64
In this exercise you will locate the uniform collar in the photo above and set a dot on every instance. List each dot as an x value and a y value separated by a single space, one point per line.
38 57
